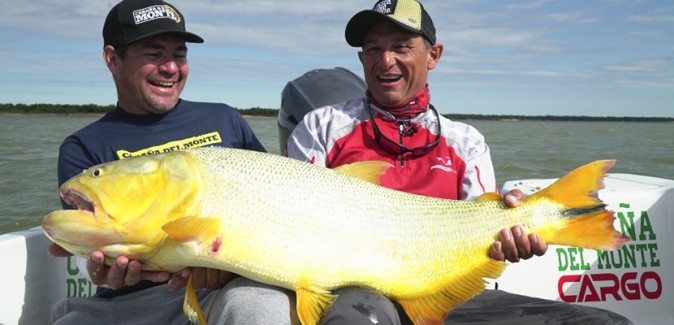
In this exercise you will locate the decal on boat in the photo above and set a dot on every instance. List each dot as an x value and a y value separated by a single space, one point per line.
76 284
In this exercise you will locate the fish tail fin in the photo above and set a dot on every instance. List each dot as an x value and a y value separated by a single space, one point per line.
432 309
588 224
594 231
191 305
578 189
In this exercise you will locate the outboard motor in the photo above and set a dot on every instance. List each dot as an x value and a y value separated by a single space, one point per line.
314 89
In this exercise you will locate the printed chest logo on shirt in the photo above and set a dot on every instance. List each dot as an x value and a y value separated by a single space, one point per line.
445 166
203 140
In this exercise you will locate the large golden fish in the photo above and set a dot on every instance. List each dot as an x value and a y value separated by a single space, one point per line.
311 229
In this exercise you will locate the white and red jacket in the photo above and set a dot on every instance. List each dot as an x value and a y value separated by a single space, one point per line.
459 167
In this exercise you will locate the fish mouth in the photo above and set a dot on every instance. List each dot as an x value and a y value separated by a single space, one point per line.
81 229
77 200
81 202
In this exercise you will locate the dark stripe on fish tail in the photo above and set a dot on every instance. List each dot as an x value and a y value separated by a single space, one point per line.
583 211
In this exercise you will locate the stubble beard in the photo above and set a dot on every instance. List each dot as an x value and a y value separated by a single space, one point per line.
155 107
159 105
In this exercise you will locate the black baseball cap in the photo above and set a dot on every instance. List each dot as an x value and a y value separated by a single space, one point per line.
408 14
133 20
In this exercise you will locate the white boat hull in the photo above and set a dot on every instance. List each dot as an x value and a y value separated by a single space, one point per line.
31 281
637 281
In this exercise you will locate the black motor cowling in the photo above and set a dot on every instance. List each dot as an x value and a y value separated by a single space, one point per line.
314 89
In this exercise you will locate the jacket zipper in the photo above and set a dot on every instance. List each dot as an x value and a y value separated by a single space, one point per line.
401 128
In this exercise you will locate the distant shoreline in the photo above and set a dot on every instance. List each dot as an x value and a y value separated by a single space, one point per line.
51 114
97 110
455 117
93 115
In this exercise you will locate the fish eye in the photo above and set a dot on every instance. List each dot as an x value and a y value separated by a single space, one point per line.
97 172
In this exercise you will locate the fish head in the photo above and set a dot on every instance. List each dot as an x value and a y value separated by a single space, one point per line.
121 206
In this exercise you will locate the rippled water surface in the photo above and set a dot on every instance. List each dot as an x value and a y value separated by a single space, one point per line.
520 150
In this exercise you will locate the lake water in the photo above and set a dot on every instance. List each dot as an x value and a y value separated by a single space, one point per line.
520 150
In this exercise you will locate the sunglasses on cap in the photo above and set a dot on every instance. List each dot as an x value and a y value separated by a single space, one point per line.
397 148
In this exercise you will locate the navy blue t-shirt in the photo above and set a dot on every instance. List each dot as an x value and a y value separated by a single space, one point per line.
120 135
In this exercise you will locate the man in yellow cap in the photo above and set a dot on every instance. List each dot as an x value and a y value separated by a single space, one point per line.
431 155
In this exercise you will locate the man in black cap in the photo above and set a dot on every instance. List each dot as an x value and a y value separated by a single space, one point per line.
145 51
430 154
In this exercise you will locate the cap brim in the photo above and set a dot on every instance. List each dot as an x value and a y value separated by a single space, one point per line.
189 37
192 38
361 22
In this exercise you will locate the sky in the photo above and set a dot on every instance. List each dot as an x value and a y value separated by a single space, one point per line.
539 57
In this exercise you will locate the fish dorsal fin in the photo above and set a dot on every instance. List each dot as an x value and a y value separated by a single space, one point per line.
432 309
491 196
191 305
313 304
369 171
578 188
193 229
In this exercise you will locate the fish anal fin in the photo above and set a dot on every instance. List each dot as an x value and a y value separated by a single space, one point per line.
369 171
593 231
491 196
313 304
191 305
432 309
430 321
578 188
193 229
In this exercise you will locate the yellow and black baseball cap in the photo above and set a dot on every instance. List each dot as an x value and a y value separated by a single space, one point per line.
408 14
133 20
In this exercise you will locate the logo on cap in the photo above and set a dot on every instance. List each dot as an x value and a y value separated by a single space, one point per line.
155 12
385 7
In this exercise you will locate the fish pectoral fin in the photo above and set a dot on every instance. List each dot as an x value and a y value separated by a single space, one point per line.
369 171
313 304
491 196
193 229
191 305
432 309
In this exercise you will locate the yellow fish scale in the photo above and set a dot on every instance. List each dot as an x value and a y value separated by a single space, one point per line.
296 223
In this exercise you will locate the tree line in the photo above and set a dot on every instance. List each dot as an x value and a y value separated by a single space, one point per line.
558 118
66 109
54 109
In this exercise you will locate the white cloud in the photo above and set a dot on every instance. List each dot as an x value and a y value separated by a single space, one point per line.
299 8
574 17
651 83
650 65
654 34
527 5
512 72
67 18
650 18
254 46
